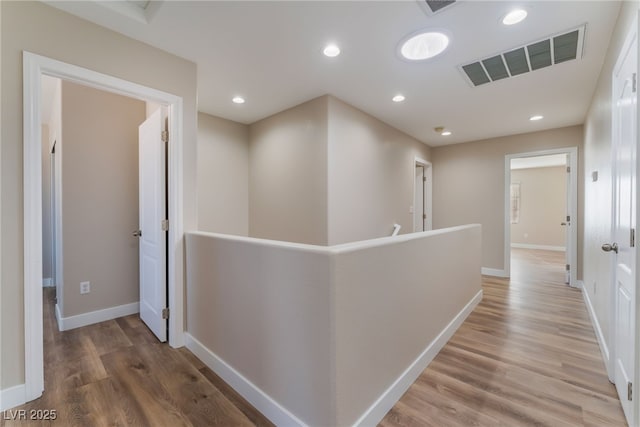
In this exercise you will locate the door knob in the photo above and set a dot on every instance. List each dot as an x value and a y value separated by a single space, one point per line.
610 247
563 223
137 233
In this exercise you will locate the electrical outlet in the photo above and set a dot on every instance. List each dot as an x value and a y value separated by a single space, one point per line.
85 287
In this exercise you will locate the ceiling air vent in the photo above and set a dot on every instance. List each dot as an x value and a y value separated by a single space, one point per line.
435 6
544 53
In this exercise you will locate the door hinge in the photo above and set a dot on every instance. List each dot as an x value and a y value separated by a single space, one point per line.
633 82
424 179
632 239
165 225
629 390
568 169
567 267
165 313
165 136
424 216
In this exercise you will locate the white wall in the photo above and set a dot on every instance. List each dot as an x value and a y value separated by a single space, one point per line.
371 175
324 332
598 196
223 176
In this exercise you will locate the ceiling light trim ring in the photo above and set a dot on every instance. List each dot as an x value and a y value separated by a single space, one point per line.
438 32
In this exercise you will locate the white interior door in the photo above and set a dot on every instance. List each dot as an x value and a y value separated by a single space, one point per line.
153 241
418 207
567 221
624 223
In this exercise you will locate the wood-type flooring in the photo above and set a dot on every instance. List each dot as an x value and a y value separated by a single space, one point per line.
526 356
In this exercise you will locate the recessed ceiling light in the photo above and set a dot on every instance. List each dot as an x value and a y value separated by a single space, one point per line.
424 45
446 133
331 50
536 118
398 98
514 17
238 100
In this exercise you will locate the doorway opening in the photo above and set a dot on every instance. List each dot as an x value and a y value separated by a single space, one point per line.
541 214
422 196
34 67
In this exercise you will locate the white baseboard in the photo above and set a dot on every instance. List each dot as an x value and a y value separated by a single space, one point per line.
604 349
494 272
389 397
372 416
271 409
84 319
48 283
12 397
539 247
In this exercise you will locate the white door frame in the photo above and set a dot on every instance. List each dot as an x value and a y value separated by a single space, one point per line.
572 244
428 196
34 66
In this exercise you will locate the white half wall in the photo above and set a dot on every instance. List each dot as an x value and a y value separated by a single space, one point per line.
314 335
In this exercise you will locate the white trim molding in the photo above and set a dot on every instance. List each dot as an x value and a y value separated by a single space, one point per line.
279 415
389 397
34 67
538 247
604 349
12 397
93 317
572 244
494 272
264 403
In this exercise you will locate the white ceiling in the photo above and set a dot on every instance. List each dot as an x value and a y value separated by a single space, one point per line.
270 52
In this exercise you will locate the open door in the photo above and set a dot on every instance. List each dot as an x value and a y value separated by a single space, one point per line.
420 215
567 224
623 248
153 225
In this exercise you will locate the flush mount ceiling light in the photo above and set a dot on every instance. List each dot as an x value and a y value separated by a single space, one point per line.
424 45
536 118
442 131
398 98
238 100
331 50
514 17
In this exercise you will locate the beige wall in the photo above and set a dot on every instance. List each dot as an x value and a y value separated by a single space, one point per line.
99 198
288 175
543 202
326 173
598 197
469 184
371 175
223 176
43 30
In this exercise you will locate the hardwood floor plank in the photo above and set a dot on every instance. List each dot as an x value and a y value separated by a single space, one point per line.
526 356
192 392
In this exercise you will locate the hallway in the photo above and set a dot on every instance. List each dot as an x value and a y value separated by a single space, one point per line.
526 356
